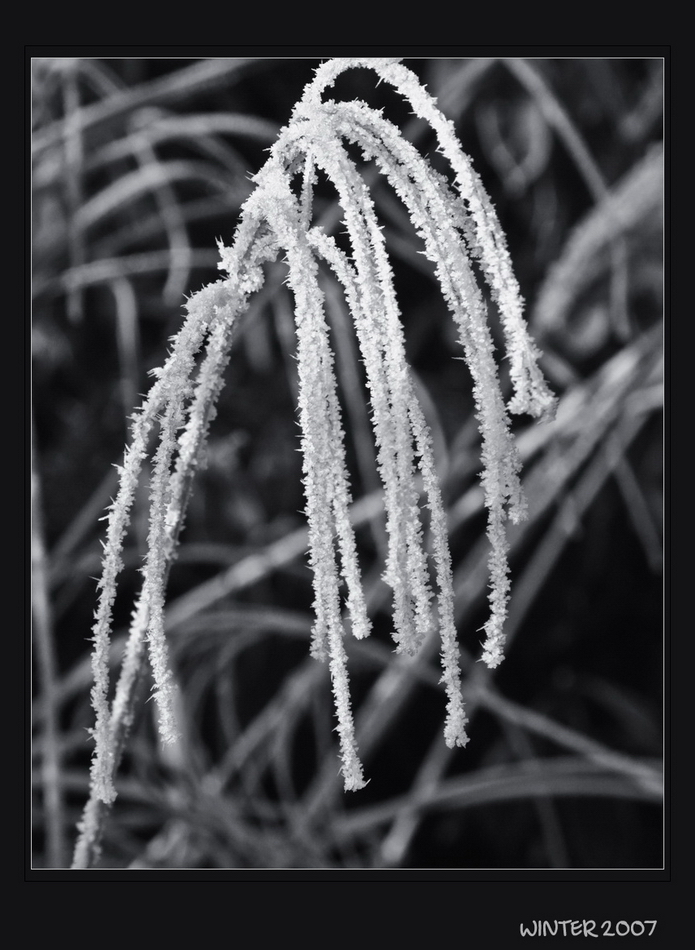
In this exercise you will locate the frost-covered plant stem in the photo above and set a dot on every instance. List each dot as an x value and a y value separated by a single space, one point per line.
458 227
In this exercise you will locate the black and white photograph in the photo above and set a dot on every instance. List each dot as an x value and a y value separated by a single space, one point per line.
347 455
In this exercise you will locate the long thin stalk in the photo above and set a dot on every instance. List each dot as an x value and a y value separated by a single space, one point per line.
45 655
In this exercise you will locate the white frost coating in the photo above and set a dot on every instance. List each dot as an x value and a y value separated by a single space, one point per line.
458 226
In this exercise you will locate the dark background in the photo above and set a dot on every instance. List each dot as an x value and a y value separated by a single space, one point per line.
138 170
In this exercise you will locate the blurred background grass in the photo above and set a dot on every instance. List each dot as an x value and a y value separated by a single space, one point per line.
139 165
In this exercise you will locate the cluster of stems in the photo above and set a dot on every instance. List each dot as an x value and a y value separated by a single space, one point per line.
461 236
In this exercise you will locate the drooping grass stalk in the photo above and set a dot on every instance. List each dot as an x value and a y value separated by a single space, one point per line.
461 235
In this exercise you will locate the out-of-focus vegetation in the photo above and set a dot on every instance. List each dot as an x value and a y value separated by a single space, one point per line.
138 167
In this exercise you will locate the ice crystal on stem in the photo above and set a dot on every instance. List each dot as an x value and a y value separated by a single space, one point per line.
458 227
